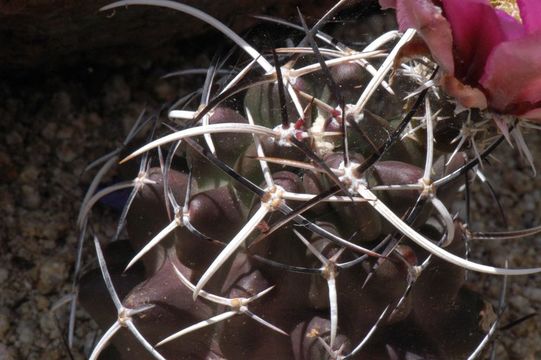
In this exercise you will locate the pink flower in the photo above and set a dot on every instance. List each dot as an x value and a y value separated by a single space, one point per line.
489 59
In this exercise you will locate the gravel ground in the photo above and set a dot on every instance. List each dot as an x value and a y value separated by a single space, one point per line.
50 130
52 126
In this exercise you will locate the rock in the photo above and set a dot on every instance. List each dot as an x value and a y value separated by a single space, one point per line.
31 197
5 353
4 274
520 303
51 275
4 327
25 331
533 293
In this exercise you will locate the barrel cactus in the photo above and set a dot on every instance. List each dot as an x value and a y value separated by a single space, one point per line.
302 209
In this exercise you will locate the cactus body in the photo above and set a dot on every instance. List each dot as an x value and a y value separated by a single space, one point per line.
284 237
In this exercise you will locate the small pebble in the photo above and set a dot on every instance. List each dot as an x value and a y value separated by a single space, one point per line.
42 303
31 197
62 103
14 138
49 131
4 326
533 293
25 331
47 324
66 153
520 303
29 174
5 353
4 274
51 275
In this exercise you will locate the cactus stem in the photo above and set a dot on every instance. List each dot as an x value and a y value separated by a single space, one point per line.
343 50
330 83
301 220
383 70
334 354
334 198
428 245
349 177
320 105
201 130
155 240
294 214
447 220
238 306
413 274
231 247
368 336
319 162
292 268
375 249
260 153
318 171
182 215
329 273
337 61
260 320
124 314
108 190
197 326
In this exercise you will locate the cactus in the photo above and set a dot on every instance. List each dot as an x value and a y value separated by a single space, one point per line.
301 211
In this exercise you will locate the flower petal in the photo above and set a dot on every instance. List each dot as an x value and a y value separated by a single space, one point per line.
466 95
512 76
387 4
477 28
511 27
427 19
530 11
533 115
